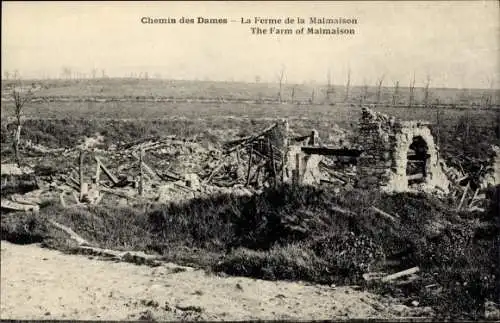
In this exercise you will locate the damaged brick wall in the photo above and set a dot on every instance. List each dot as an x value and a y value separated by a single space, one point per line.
386 143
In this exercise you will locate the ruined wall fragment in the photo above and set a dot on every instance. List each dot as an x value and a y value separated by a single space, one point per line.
386 143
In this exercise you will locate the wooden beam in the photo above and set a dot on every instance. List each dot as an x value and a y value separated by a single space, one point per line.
72 234
249 166
333 173
150 171
384 214
5 204
473 198
463 196
400 274
97 172
271 151
106 171
154 173
342 211
252 138
61 199
331 151
214 171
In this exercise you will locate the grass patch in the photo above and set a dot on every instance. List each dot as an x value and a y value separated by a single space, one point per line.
303 234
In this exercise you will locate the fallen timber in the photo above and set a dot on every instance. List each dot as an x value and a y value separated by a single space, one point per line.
332 151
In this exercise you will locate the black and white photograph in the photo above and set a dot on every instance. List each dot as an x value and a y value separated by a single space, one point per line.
250 160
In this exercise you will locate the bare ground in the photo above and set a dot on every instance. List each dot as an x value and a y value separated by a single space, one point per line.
41 283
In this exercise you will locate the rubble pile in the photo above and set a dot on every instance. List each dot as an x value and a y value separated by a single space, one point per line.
156 169
163 169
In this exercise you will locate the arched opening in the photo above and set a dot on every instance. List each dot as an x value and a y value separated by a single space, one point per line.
417 160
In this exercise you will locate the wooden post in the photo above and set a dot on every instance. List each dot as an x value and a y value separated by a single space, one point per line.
285 151
298 168
249 166
141 182
61 199
314 138
97 173
80 168
463 196
271 152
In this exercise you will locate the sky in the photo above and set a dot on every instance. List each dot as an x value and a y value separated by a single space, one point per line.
454 44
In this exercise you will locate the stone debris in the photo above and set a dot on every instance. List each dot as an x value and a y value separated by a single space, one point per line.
389 154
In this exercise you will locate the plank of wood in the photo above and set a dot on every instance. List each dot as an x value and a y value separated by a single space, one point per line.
98 173
384 214
61 199
249 166
18 207
463 196
106 171
473 197
324 151
214 171
26 200
147 168
72 234
333 174
400 274
273 165
252 138
342 211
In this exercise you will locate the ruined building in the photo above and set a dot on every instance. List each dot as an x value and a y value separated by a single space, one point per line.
398 155
394 156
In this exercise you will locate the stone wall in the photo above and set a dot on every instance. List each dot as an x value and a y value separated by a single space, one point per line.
386 142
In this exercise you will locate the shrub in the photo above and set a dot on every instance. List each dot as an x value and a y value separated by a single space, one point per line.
290 262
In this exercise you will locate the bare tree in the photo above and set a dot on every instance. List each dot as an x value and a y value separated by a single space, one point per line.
489 96
426 93
364 92
293 94
257 78
311 100
329 90
146 75
348 85
412 91
438 125
395 95
103 73
66 72
281 77
20 96
6 75
379 88
94 73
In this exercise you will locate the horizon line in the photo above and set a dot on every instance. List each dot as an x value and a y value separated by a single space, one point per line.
304 83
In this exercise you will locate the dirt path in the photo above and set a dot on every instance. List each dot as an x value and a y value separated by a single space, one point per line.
39 283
